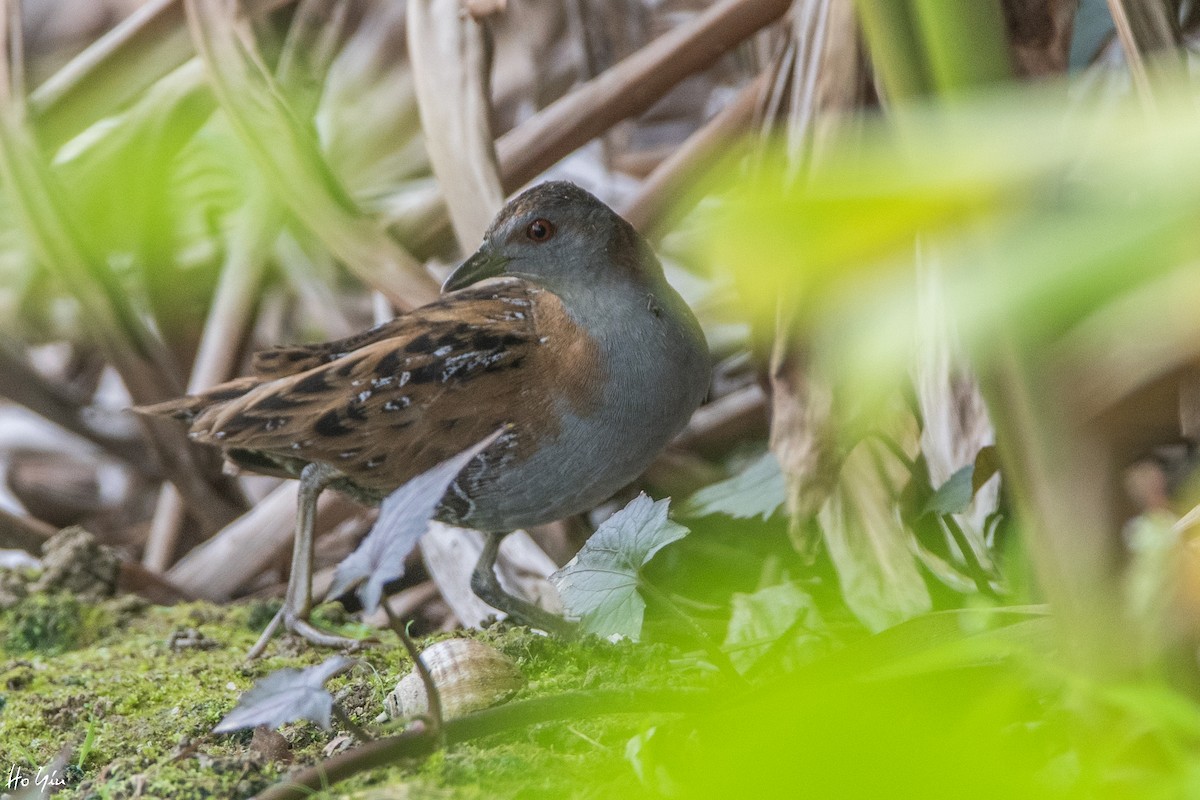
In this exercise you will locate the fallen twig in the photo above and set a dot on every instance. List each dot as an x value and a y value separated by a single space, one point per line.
420 743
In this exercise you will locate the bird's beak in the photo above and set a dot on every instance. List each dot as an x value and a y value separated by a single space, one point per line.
483 264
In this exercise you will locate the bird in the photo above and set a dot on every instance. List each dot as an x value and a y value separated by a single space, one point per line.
561 330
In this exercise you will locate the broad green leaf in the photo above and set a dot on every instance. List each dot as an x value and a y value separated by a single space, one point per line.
761 618
757 491
600 584
286 696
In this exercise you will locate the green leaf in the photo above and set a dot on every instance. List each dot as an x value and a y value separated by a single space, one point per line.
599 585
757 491
953 496
869 545
760 619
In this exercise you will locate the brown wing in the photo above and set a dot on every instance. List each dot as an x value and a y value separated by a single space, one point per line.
393 407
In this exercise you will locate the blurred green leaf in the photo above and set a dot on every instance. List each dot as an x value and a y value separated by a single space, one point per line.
600 584
1010 191
957 727
761 619
964 42
287 150
120 168
869 545
756 491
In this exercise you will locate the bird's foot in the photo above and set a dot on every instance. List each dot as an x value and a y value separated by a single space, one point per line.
294 622
518 610
532 616
486 586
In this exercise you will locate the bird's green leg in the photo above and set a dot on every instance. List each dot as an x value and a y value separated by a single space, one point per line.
486 586
298 602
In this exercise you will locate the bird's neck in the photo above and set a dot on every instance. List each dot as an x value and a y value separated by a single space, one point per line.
613 310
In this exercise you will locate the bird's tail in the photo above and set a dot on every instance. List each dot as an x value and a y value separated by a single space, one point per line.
188 407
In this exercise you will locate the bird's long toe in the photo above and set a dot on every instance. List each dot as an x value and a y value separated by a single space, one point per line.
296 624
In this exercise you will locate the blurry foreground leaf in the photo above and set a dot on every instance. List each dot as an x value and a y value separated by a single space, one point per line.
1011 191
761 619
640 753
948 704
403 517
600 584
868 544
286 696
757 491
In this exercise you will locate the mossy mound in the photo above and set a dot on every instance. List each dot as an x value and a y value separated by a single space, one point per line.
126 694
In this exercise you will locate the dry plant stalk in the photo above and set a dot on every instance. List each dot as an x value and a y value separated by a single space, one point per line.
225 334
230 319
220 567
665 188
1144 27
450 60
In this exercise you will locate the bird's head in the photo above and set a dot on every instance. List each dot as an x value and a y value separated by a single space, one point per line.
557 235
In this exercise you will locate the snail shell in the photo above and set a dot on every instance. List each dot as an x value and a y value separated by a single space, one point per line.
469 676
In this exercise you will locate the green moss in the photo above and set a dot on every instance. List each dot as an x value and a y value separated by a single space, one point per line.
150 707
44 623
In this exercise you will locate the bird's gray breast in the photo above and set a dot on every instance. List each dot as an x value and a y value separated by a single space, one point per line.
657 373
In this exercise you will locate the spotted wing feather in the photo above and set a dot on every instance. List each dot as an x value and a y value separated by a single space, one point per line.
285 360
389 409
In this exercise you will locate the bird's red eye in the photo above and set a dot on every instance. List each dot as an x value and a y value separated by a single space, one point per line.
540 230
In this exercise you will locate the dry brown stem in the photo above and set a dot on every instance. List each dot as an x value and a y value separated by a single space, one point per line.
630 87
667 184
23 533
220 567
